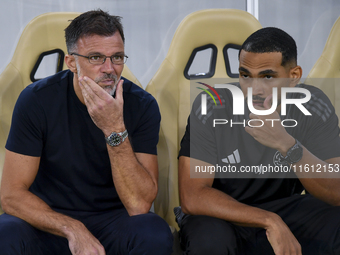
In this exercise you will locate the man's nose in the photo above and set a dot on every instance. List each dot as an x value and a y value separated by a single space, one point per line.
108 66
258 86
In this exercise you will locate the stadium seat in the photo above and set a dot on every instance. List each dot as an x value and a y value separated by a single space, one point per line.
325 74
43 36
216 30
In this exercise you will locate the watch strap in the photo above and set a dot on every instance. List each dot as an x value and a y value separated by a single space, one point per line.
294 154
124 134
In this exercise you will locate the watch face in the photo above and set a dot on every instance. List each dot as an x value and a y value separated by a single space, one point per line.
115 139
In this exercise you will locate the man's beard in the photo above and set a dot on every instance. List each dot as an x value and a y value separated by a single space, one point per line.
112 88
109 89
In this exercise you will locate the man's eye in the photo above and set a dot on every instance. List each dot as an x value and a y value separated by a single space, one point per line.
245 76
268 77
96 58
117 57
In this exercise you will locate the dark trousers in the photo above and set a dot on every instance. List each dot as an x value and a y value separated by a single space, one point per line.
117 231
314 223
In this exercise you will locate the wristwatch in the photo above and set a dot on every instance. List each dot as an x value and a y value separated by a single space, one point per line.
115 139
294 154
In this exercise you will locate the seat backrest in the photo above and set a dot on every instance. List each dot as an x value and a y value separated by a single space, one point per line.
214 28
43 35
325 74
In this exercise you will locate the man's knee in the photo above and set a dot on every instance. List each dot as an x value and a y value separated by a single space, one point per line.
335 239
13 233
151 234
328 240
207 235
19 237
321 233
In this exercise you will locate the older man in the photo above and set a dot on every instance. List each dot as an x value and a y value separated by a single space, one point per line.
80 171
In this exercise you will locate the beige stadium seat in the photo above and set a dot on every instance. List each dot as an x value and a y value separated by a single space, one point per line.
325 73
43 35
214 29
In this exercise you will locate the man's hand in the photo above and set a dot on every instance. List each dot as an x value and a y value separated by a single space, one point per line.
272 134
84 243
105 111
134 175
282 239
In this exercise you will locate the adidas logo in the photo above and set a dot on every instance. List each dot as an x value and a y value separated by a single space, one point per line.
232 158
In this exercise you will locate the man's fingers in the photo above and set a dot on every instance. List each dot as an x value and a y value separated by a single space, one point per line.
86 90
93 89
83 91
268 102
253 116
119 90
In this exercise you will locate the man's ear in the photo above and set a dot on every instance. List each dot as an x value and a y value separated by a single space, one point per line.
71 63
295 74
